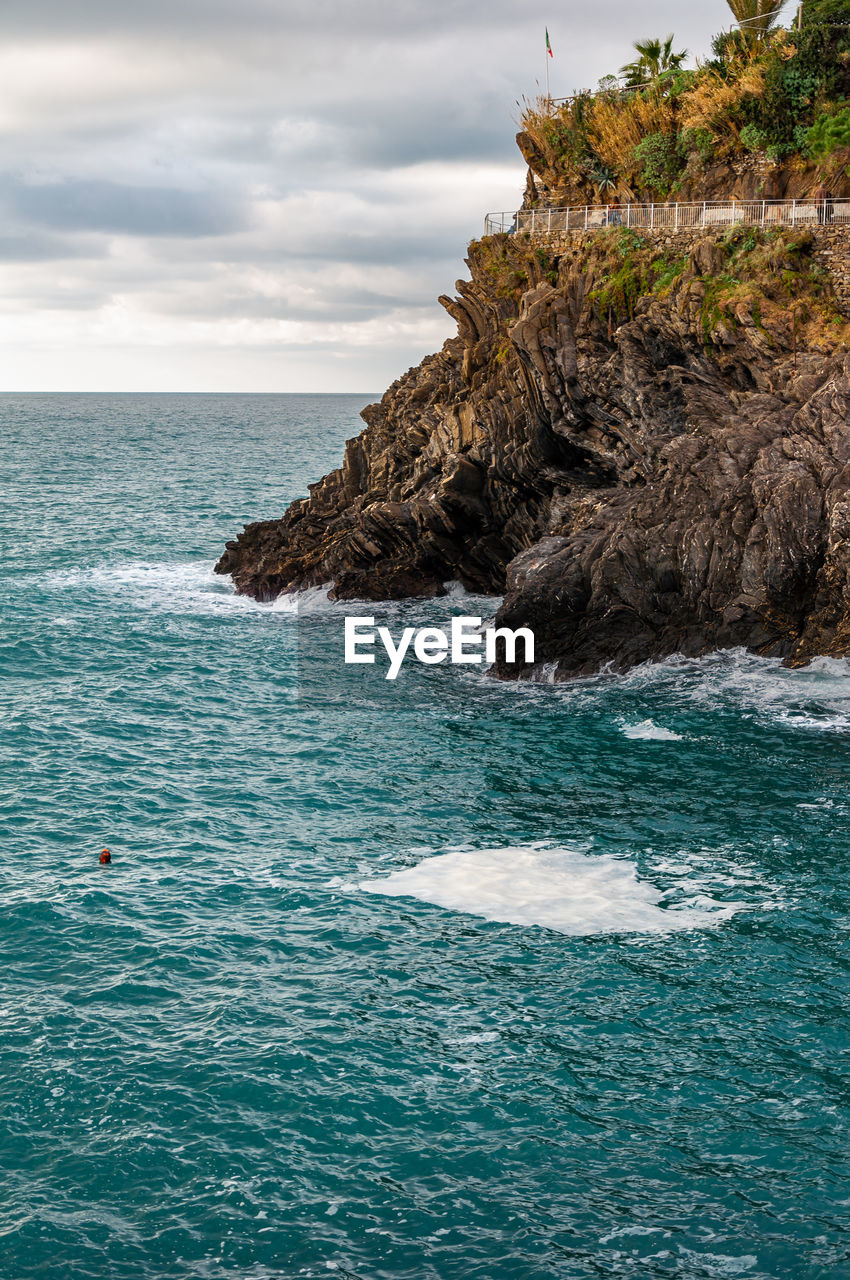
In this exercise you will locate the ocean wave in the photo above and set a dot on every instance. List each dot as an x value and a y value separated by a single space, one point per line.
815 698
182 587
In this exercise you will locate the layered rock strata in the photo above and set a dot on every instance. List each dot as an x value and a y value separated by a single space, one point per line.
645 453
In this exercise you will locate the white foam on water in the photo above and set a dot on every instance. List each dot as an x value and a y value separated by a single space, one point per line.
457 591
543 673
561 889
634 1229
719 1264
481 1037
808 699
813 698
647 731
311 600
191 587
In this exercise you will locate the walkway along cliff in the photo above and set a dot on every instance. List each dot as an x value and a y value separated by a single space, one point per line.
641 439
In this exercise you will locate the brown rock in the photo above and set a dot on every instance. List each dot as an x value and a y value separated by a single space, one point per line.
638 485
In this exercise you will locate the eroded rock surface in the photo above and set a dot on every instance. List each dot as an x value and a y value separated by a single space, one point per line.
639 477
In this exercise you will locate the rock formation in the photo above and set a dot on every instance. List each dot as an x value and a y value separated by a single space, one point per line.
643 444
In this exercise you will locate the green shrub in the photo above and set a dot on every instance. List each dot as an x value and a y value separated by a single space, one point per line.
626 241
827 133
700 141
828 11
667 272
753 138
660 161
801 133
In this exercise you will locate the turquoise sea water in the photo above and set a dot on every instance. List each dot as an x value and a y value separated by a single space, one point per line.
231 1055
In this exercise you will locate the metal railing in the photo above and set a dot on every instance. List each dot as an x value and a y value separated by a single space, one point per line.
669 217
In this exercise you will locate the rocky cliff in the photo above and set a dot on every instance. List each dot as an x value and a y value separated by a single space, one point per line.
643 444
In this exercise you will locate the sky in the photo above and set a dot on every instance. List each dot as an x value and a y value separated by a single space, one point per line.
264 195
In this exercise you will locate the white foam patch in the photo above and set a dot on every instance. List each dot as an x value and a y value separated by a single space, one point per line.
564 890
647 731
175 588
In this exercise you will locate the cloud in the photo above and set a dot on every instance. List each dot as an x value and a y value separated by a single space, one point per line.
72 205
289 184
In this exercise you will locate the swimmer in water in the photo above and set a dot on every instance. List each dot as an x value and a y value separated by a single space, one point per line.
105 857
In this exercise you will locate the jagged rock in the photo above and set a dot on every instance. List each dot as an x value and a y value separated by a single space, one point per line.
676 479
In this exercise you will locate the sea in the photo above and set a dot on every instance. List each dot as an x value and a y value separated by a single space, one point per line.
433 979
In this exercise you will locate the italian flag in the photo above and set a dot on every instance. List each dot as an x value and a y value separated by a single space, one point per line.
548 45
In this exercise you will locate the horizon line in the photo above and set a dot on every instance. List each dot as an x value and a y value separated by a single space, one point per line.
31 392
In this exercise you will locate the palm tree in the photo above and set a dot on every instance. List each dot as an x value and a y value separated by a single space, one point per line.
757 17
656 58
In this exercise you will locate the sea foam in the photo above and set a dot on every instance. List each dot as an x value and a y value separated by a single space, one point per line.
185 587
565 890
647 731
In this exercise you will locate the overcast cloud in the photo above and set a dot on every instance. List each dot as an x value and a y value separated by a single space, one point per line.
245 195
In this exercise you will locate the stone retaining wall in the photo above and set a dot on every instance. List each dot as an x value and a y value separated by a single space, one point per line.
833 249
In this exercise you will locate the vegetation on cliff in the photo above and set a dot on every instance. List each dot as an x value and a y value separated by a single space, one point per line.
770 101
771 278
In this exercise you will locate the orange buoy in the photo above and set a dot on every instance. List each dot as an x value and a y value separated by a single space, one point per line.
105 857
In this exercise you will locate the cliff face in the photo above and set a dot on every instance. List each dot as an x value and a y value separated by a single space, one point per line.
646 446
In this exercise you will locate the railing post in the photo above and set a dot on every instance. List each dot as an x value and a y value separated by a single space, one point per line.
628 215
652 217
793 213
585 217
549 224
533 211
703 214
763 211
676 218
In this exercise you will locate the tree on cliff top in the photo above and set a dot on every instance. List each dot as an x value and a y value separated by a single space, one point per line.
757 17
655 58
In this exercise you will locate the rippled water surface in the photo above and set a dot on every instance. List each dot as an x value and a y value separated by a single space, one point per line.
439 979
